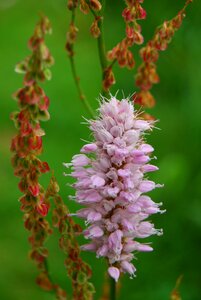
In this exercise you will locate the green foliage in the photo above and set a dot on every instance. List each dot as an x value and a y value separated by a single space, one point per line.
177 145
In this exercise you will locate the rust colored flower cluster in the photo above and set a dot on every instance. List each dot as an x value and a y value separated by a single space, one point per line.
121 52
175 294
78 271
27 145
147 74
71 38
73 30
85 7
35 202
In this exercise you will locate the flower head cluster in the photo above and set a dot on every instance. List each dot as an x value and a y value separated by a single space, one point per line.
33 103
111 182
121 52
27 145
147 74
35 202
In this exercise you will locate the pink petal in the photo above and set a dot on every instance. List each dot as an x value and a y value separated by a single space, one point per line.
146 148
94 232
146 186
142 125
102 251
97 181
143 159
114 273
124 172
144 248
89 148
80 160
94 216
128 267
149 168
88 247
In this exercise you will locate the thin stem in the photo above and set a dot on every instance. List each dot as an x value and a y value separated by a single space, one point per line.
46 267
112 63
101 51
112 289
101 42
76 77
101 46
77 84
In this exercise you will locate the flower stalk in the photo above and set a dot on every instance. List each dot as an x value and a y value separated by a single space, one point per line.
71 38
35 202
27 146
112 289
147 74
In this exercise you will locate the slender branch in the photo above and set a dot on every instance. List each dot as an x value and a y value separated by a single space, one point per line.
112 289
77 83
101 46
74 71
101 42
112 63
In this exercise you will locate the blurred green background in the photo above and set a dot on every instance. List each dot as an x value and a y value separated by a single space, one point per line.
177 144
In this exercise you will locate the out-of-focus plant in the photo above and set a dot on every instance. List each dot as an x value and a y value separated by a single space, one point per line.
78 271
175 294
122 53
147 75
35 202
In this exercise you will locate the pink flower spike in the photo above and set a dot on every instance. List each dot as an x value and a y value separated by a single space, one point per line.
114 273
110 183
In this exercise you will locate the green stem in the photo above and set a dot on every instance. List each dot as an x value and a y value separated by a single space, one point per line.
102 53
101 42
80 93
101 46
112 289
76 77
112 63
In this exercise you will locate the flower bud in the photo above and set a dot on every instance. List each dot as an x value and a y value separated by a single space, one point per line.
94 29
84 7
95 5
